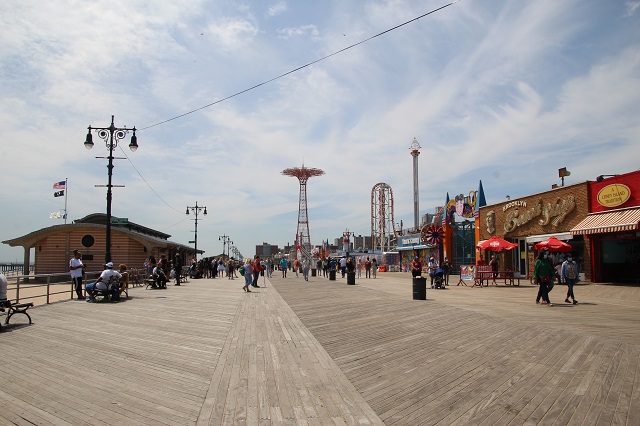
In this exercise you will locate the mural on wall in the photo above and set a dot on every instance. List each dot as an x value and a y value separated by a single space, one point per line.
553 212
462 205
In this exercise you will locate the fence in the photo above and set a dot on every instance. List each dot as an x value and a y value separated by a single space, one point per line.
48 288
14 268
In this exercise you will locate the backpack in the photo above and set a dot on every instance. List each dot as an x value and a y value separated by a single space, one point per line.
241 270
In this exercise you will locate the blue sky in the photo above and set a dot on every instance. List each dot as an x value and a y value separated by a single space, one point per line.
506 92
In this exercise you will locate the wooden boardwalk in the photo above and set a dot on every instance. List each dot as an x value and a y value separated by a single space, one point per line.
323 352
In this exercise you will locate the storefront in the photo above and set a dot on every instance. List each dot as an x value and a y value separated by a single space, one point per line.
612 228
528 220
410 246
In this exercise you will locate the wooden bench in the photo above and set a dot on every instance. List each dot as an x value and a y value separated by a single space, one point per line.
485 273
15 308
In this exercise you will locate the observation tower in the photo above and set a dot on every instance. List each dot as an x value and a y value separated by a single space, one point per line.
303 241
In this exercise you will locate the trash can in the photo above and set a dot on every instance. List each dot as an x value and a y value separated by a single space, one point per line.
332 275
419 288
313 272
351 278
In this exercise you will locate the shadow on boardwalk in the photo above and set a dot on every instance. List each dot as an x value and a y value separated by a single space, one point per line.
326 353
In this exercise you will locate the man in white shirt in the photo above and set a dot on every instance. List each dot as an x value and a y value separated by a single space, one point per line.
103 281
76 268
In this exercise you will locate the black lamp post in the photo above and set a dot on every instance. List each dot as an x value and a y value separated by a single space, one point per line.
196 209
111 136
226 241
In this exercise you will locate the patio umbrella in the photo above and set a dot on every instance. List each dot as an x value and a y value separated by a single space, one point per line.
554 245
496 243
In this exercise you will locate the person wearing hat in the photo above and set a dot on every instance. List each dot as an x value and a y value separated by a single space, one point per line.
101 284
76 269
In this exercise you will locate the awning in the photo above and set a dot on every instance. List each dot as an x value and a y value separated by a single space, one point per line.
611 221
563 236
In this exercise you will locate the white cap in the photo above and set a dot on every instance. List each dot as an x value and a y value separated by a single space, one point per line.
109 265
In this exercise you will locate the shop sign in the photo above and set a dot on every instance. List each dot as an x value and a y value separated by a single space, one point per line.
410 241
551 212
614 195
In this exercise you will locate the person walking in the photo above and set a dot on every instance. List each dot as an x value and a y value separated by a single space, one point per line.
432 266
248 274
283 267
343 265
359 267
305 269
374 267
569 276
543 274
296 267
446 270
177 266
367 268
76 269
256 267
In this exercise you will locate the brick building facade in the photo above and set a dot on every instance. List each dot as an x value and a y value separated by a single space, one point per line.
535 218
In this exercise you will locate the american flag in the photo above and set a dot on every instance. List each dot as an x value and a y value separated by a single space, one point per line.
59 185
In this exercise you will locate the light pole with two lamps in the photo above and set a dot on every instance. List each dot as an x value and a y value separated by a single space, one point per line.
196 209
226 242
111 136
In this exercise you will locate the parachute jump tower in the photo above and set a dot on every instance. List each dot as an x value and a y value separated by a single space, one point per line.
303 241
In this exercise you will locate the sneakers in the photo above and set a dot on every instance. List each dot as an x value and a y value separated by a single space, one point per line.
567 300
575 302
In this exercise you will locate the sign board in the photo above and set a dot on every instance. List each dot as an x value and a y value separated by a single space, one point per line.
614 195
119 220
467 272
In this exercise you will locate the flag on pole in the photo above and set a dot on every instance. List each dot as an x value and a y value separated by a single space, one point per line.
55 215
58 194
59 185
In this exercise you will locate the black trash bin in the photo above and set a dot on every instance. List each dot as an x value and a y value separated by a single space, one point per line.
351 278
332 275
419 288
313 272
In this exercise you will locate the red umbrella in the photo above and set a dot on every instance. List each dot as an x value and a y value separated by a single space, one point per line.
554 245
496 243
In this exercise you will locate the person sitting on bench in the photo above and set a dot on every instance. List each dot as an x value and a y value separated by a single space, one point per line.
3 293
102 283
159 278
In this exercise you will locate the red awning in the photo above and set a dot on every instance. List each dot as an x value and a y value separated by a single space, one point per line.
611 221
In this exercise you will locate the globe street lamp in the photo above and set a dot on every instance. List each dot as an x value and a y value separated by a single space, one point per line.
196 209
111 136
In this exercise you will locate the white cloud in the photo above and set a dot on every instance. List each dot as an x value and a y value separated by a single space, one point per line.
301 31
277 9
631 7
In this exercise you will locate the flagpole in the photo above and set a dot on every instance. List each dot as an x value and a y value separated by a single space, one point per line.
66 193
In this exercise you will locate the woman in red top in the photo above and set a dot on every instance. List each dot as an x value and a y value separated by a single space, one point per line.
257 267
416 267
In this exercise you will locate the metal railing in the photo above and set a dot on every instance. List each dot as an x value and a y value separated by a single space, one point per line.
48 288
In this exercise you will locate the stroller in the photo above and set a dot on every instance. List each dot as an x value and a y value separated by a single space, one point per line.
438 279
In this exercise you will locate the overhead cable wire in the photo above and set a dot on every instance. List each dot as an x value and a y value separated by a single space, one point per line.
300 67
145 181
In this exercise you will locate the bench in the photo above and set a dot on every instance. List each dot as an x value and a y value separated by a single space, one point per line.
114 284
485 273
15 308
